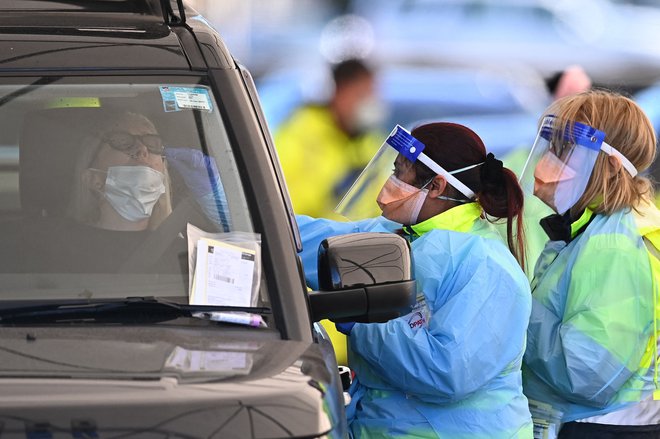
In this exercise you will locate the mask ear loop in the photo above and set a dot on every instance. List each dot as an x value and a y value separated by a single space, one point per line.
443 197
467 168
455 182
97 189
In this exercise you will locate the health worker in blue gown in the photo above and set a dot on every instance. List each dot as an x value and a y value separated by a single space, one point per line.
591 367
451 368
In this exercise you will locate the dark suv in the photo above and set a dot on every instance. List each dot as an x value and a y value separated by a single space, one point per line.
149 279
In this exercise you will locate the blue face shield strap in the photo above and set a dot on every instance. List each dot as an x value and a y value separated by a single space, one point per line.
401 140
412 149
586 136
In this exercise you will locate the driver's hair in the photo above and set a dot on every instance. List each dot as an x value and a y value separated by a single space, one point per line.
628 130
84 205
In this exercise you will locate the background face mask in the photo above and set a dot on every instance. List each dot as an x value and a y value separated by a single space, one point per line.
369 115
400 201
133 191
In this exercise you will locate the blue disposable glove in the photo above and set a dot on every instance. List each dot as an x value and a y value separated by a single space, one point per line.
200 173
345 328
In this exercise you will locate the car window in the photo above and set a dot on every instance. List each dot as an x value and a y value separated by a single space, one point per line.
66 160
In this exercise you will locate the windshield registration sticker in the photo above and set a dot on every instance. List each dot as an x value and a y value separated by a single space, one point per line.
179 98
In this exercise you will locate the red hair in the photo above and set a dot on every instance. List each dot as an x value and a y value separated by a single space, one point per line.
454 146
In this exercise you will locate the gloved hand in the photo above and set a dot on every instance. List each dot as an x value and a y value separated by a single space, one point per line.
345 328
199 171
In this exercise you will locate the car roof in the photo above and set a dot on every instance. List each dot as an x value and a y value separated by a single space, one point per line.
66 14
100 34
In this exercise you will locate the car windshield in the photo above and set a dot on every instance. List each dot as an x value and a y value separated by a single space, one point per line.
122 187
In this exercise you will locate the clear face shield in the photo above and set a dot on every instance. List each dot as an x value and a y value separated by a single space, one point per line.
379 186
560 163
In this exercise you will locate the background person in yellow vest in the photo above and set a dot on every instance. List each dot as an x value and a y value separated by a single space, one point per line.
591 357
322 147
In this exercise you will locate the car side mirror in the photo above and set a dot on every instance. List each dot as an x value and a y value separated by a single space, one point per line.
363 277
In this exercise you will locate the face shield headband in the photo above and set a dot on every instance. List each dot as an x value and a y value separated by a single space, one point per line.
560 164
360 200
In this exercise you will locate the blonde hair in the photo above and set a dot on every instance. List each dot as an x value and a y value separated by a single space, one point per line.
627 129
85 203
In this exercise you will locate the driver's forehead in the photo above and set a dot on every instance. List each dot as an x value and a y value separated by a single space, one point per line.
133 125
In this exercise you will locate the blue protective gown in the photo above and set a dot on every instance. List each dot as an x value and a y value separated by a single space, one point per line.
450 369
592 339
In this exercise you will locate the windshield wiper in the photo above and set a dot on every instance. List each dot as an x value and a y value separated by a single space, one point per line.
129 310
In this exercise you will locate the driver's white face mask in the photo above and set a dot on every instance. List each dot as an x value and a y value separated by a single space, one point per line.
133 191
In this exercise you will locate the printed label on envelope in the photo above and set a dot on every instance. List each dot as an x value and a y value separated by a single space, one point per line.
223 274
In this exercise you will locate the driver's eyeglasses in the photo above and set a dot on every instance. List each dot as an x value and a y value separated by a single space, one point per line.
127 142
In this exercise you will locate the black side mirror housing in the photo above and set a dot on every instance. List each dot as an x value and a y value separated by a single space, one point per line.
364 277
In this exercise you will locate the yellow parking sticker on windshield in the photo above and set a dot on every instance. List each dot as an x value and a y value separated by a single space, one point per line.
179 98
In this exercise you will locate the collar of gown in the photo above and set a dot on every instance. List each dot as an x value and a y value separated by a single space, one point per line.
458 219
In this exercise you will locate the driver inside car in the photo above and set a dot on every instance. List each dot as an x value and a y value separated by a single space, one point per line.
121 199
123 181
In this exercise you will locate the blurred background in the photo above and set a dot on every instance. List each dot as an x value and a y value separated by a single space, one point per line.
484 63
492 65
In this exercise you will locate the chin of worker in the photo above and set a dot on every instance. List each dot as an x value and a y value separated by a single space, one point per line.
450 368
589 362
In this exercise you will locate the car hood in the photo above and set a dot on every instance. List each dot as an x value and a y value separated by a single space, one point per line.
150 381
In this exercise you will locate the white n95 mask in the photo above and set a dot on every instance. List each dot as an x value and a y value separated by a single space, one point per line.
133 191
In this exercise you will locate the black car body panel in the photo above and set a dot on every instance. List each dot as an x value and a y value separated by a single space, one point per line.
141 382
66 65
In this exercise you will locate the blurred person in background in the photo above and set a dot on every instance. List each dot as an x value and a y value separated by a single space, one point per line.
566 82
323 147
569 81
591 361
